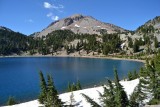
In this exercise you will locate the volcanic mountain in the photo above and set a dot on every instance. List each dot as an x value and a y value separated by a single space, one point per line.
81 24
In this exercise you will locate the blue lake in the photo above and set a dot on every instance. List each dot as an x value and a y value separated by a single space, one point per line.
19 77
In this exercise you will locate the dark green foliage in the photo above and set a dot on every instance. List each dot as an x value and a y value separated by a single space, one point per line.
11 101
136 46
43 94
52 94
91 101
48 95
150 80
133 100
146 29
113 96
121 98
108 98
13 42
74 87
78 85
156 42
154 102
132 75
111 43
57 38
130 42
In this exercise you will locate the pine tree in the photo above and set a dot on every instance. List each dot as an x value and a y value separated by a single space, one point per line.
43 94
120 97
136 46
52 94
155 42
108 98
78 85
133 100
130 76
48 95
69 87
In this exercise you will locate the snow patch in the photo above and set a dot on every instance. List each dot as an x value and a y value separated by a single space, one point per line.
63 27
122 45
76 25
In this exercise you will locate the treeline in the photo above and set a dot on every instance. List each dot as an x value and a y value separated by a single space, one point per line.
17 43
60 39
13 42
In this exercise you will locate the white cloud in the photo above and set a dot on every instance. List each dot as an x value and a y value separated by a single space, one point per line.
47 5
49 14
52 16
55 18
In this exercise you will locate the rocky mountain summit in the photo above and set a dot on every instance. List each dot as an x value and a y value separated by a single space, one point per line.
81 24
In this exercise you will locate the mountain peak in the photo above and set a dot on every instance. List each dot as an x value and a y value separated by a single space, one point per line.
79 23
76 15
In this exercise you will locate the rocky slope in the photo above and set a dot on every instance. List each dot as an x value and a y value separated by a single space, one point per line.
81 24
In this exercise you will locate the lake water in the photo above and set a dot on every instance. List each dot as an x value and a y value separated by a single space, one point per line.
19 77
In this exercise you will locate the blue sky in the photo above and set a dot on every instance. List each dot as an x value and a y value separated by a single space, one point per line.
28 16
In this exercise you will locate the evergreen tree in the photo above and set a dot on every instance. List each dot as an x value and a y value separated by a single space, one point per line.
48 95
43 94
52 94
130 76
133 100
156 42
11 101
120 97
69 87
136 46
78 85
108 98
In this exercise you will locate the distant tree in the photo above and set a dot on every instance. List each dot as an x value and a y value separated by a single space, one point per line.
69 87
130 76
74 87
78 85
130 42
11 101
136 46
155 42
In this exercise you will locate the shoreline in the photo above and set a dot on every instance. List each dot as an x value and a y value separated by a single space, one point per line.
74 56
